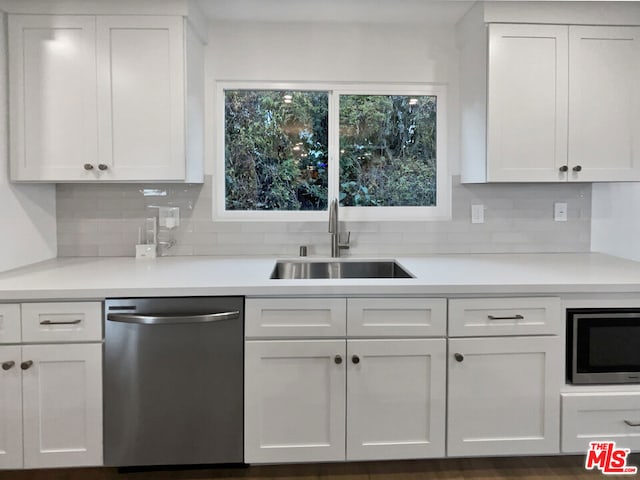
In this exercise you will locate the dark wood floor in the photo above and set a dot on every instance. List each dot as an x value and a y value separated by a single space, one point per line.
529 468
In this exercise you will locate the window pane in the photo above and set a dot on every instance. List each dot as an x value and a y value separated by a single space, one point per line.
276 145
388 150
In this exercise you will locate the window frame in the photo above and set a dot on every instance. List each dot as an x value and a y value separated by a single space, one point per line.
442 209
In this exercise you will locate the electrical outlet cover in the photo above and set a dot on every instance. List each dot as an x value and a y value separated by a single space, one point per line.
560 212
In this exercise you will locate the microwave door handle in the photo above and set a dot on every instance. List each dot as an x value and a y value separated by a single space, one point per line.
631 423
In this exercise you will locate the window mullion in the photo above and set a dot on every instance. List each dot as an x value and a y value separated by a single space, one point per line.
334 145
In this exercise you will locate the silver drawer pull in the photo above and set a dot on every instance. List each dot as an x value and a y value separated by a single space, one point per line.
172 319
70 322
631 423
511 317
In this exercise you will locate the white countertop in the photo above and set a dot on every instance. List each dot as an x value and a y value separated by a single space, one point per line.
96 278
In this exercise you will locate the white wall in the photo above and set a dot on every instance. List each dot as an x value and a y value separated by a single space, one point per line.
333 52
615 219
28 212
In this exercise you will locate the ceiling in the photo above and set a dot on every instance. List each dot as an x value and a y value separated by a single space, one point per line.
428 12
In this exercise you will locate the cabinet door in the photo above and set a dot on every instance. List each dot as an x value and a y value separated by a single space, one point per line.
294 401
62 402
10 408
604 103
10 323
504 396
141 97
52 84
527 103
396 399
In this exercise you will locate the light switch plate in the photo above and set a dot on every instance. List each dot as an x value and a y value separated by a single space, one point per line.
477 213
560 212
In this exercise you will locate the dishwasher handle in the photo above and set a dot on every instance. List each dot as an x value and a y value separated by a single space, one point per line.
172 319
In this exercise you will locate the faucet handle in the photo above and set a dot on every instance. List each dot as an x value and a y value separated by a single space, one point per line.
344 245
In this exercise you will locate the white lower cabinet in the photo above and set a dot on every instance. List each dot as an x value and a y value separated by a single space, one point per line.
600 416
396 392
298 393
10 408
294 401
51 406
504 396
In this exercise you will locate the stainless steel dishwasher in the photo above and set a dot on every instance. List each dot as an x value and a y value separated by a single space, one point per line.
173 381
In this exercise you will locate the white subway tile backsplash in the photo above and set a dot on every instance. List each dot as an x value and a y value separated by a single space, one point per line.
116 250
306 227
177 250
103 220
73 250
198 238
463 238
210 226
241 238
361 238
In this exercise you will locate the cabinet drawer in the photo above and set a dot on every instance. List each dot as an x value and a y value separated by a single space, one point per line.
480 317
588 417
61 322
295 317
10 323
397 317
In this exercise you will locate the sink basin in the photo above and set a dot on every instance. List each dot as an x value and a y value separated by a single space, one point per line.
337 269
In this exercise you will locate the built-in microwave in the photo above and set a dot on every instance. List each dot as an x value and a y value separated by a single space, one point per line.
603 345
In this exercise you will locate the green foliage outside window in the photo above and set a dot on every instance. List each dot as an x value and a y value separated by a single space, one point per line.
387 150
276 150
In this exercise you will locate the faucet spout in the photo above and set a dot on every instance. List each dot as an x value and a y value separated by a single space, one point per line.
333 216
334 230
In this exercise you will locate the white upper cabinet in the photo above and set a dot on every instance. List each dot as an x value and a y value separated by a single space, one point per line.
52 87
559 104
604 103
100 98
527 103
141 96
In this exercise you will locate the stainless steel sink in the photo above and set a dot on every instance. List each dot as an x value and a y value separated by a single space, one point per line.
335 269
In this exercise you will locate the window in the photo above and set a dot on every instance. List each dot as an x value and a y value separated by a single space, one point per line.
276 149
287 150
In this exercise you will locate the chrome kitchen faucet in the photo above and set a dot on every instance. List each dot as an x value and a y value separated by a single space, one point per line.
334 230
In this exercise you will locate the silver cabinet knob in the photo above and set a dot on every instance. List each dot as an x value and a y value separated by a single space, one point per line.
337 359
8 365
88 166
103 167
26 365
458 356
